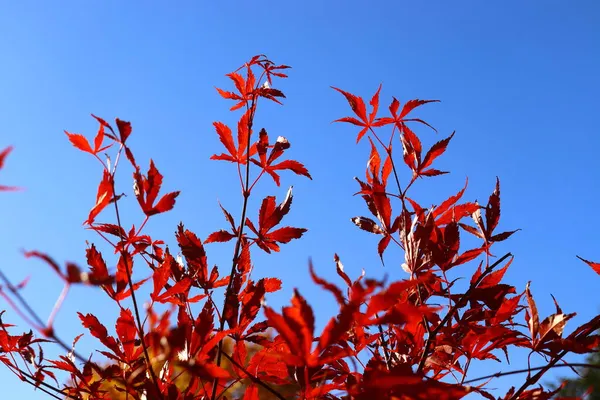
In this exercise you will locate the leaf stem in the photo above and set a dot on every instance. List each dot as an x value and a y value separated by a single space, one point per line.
238 243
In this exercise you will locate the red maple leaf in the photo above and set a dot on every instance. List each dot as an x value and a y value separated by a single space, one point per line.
277 149
239 153
358 106
146 190
269 216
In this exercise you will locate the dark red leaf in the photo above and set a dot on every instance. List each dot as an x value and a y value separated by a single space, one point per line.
124 129
435 151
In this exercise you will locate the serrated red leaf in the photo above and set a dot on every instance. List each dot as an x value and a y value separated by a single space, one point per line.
239 82
471 230
382 245
502 236
495 277
414 144
166 203
227 139
64 364
80 142
228 95
120 296
432 172
130 157
292 165
111 229
127 333
358 106
449 202
468 256
99 139
243 136
272 284
269 216
99 272
286 234
411 105
219 236
194 254
103 122
147 189
435 151
374 105
350 120
172 294
457 213
277 150
103 197
160 276
98 330
356 103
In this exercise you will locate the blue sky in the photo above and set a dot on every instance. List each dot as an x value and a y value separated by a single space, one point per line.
518 82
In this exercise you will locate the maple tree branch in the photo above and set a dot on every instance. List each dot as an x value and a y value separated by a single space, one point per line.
38 324
541 371
238 243
226 388
23 302
140 327
41 385
20 313
453 310
413 180
253 378
57 305
389 153
384 344
524 370
466 369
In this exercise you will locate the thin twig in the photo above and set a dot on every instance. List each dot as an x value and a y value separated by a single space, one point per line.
238 243
524 370
37 323
23 375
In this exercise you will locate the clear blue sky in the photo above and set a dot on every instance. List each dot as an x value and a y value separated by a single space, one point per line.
518 81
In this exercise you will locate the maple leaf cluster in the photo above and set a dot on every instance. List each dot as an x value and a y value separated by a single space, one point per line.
414 338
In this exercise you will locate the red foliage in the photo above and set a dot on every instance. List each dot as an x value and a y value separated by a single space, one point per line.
409 339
